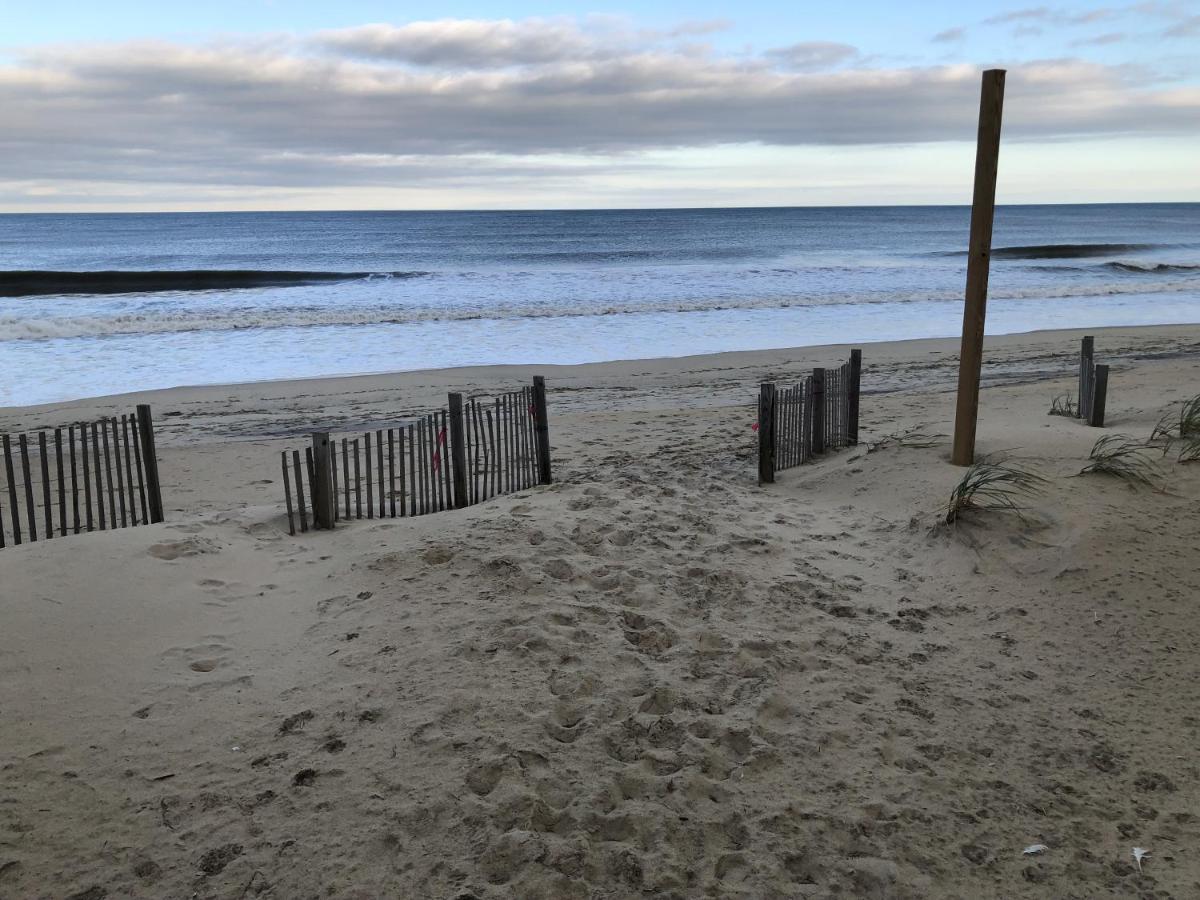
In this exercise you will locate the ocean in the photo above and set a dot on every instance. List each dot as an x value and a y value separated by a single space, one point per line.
201 298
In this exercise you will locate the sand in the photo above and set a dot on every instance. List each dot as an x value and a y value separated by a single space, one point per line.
654 678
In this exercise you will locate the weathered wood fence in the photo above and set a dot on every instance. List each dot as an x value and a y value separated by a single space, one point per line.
89 476
1093 386
817 415
463 454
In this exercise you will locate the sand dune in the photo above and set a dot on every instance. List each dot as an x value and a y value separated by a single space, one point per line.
654 678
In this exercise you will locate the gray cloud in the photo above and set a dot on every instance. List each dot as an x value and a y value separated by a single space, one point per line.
1054 16
811 56
1102 40
293 114
950 35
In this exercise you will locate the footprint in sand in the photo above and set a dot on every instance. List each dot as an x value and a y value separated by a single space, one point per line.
204 665
177 549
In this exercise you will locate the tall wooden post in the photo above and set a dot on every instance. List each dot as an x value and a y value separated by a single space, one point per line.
983 207
458 451
853 396
818 413
324 501
766 433
1086 349
150 461
541 422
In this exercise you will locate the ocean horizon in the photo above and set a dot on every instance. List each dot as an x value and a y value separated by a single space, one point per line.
102 303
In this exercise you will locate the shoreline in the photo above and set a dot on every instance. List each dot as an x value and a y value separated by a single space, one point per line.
478 375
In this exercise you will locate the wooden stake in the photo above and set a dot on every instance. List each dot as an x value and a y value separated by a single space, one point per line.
62 484
133 515
458 451
287 493
30 509
112 424
983 207
299 472
150 460
818 411
324 499
74 479
46 507
1099 397
766 433
87 481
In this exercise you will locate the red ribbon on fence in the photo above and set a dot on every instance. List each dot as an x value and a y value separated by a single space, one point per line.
437 453
754 427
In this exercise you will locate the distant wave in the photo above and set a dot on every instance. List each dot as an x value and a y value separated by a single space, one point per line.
1057 251
16 328
1147 268
34 283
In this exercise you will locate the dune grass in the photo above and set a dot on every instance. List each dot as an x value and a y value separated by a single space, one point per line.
1063 405
1120 456
993 484
1183 424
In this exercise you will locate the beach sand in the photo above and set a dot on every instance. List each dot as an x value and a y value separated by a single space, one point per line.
653 678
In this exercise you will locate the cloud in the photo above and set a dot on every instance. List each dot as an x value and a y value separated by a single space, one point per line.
467 43
813 55
1102 40
494 101
1054 16
1184 28
950 35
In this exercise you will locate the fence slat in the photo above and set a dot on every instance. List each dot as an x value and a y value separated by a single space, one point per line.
391 455
379 466
333 474
287 493
30 509
14 506
400 450
150 461
367 466
324 498
766 433
62 481
299 473
116 449
87 479
137 459
414 482
46 506
346 473
133 516
357 481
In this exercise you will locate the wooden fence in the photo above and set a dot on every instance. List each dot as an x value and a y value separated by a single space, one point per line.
1093 386
817 415
461 455
90 476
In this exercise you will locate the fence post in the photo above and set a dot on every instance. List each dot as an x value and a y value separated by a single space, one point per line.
818 407
541 423
321 481
1085 362
458 452
766 433
150 460
1099 396
855 383
983 207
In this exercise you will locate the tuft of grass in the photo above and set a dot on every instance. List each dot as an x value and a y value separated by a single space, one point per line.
1063 405
992 484
1182 425
1122 457
913 439
1190 451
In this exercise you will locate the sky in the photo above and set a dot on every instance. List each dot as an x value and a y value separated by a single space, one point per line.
360 104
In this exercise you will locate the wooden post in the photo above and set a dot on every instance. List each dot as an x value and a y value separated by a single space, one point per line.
1086 350
367 466
458 451
1099 397
46 507
855 386
983 206
14 503
133 516
99 472
62 484
150 462
299 473
30 509
541 421
112 424
818 411
74 480
287 493
87 483
323 497
766 433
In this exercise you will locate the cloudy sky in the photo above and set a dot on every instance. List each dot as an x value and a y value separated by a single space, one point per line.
290 104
